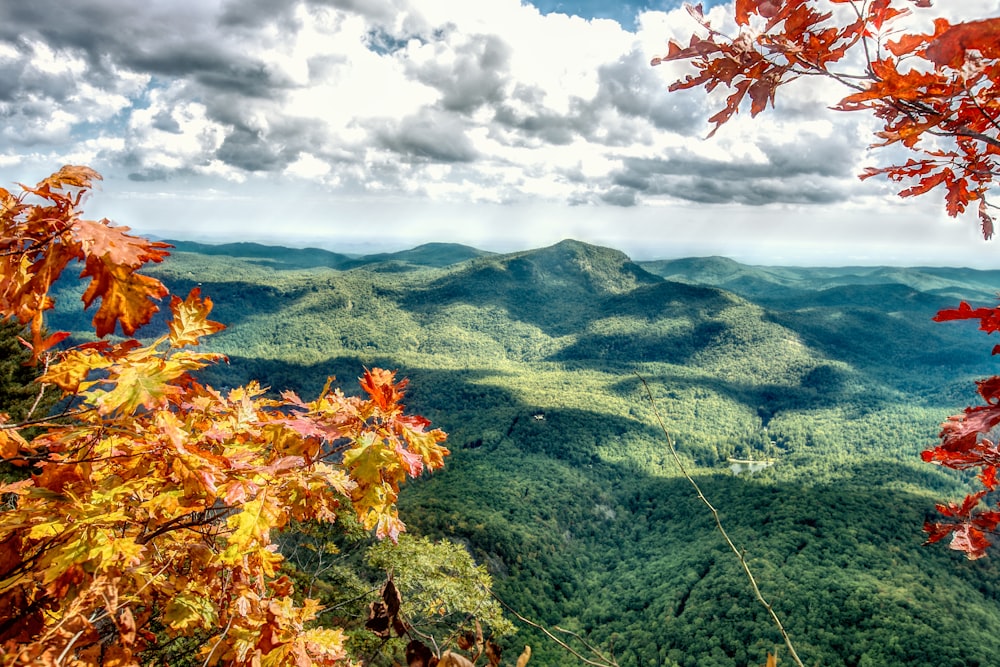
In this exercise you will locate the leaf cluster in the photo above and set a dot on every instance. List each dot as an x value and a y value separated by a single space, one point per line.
936 94
153 498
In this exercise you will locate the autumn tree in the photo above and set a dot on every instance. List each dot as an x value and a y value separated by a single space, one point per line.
937 96
153 498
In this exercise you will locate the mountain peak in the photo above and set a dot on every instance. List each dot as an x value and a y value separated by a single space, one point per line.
575 263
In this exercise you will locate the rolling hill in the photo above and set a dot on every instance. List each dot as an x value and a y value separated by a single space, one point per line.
560 480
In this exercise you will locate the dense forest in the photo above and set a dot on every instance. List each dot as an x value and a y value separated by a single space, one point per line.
560 482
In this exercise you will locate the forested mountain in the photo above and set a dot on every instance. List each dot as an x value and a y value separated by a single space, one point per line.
560 482
429 254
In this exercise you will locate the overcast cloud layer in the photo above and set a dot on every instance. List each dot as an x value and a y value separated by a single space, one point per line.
402 121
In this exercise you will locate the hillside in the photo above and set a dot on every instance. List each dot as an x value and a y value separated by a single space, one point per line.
559 479
276 257
762 282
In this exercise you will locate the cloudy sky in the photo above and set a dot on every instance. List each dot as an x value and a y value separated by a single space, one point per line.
370 125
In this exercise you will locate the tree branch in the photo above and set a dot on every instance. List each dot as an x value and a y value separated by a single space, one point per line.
740 554
602 660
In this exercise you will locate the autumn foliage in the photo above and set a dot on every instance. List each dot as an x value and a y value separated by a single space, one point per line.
969 441
937 95
152 498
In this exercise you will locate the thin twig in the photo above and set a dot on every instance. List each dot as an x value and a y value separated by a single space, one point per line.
740 554
208 658
605 661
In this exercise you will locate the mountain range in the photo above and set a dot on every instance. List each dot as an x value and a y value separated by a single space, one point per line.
560 481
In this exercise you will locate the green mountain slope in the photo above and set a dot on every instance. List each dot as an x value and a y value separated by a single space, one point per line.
276 257
757 282
560 481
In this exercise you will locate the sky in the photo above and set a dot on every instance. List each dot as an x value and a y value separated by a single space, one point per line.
378 125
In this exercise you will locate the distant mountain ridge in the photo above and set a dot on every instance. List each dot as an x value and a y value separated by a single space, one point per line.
750 281
781 281
281 257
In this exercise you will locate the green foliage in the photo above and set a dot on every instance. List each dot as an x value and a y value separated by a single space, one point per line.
441 586
560 485
18 391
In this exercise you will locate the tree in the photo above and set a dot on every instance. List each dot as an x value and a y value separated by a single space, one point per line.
18 394
153 497
937 96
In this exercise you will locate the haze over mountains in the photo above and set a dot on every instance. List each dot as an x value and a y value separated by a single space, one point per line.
559 478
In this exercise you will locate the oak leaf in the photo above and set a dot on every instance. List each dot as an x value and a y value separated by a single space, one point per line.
127 298
190 319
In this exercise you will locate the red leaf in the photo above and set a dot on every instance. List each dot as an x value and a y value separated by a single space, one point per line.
957 197
969 540
378 383
989 318
952 42
989 477
961 432
989 389
986 220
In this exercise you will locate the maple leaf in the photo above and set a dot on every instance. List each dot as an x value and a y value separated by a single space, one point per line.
12 443
379 385
39 346
144 379
73 367
252 526
989 318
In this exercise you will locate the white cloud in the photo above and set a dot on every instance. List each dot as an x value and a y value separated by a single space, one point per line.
437 102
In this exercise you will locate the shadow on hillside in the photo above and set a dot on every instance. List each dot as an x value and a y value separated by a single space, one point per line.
636 561
464 403
555 296
823 387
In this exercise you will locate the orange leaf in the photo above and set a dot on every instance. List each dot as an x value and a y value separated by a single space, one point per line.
114 245
378 383
126 297
70 175
951 44
11 443
190 320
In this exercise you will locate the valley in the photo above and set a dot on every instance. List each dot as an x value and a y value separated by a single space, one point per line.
559 479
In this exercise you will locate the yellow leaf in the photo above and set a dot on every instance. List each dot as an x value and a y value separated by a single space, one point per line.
144 380
252 526
190 320
11 443
73 368
138 385
47 529
188 609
